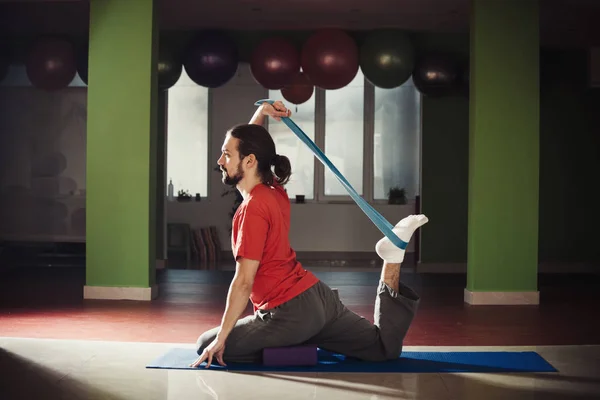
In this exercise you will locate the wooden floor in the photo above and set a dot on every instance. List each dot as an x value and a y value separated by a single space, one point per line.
47 303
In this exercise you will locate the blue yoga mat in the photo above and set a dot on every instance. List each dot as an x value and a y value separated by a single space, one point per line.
410 362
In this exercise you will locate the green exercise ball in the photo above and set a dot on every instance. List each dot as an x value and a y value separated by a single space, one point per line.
387 58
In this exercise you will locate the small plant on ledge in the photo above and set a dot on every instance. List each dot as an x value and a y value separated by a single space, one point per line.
183 195
397 195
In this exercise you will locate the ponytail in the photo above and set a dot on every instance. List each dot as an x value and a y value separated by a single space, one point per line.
283 169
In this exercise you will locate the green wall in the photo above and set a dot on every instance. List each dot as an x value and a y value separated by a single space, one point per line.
121 144
502 234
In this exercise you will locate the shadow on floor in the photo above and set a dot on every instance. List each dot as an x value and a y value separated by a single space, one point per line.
22 378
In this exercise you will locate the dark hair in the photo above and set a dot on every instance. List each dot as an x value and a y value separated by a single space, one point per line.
255 139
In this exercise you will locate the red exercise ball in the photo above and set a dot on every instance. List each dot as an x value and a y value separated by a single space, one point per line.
330 58
300 90
275 62
51 64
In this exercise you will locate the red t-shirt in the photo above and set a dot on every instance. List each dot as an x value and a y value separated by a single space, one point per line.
260 232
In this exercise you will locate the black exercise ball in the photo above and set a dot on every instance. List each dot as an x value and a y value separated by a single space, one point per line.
387 58
170 68
436 75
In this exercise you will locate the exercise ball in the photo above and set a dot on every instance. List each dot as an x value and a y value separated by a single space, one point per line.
169 69
330 58
275 62
211 59
51 64
435 75
387 58
300 90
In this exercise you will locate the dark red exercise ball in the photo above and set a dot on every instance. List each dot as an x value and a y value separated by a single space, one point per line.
300 90
330 58
51 64
275 62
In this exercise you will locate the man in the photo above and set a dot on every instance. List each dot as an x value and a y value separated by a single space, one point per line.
291 305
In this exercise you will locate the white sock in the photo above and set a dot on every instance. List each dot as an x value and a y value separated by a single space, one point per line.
404 230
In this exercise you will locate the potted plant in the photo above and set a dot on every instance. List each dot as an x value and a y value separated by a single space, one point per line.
183 195
397 195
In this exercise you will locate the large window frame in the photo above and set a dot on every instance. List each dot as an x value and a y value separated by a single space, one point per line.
368 176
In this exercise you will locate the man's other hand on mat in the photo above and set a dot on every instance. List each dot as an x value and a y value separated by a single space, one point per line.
214 349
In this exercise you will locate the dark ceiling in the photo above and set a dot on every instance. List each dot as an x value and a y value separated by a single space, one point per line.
564 23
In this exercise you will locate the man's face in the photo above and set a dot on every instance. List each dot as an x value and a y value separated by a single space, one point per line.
230 162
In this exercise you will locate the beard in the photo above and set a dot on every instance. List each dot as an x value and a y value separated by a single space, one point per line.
235 179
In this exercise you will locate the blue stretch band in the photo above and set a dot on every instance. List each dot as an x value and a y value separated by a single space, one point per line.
384 226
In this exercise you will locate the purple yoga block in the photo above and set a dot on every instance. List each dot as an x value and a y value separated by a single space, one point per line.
304 355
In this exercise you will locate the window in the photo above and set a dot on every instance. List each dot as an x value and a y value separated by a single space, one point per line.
344 136
396 140
288 144
187 137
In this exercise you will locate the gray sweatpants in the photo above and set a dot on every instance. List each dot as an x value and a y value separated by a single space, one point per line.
318 317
